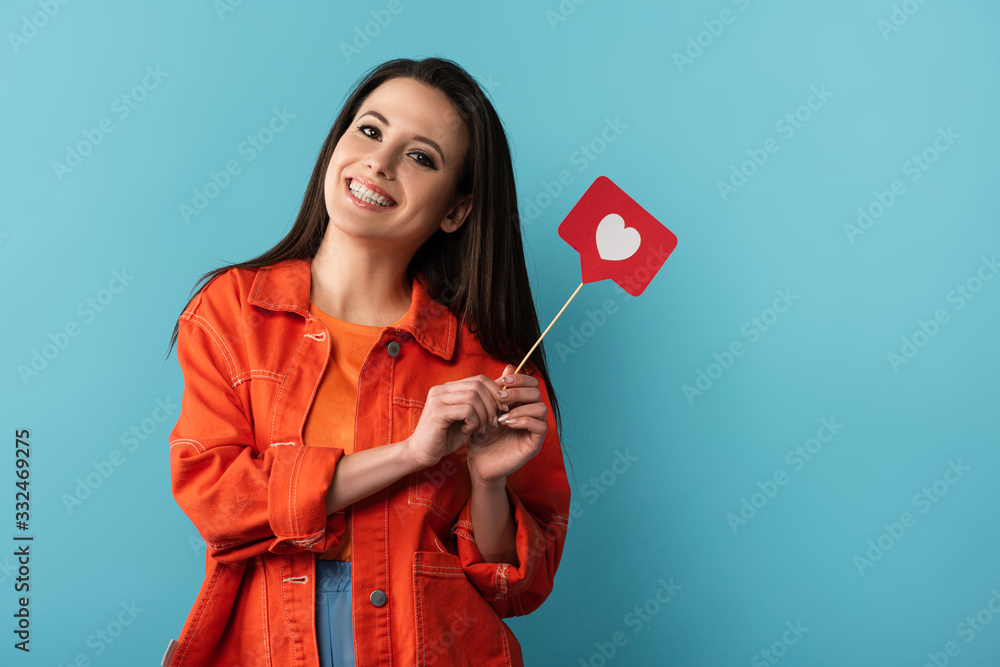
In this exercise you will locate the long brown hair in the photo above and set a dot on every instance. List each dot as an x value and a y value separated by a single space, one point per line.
478 271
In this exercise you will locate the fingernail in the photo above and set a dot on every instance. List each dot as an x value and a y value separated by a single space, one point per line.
508 379
501 394
495 421
503 419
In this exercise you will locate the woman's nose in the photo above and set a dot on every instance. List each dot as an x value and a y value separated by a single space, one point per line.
381 161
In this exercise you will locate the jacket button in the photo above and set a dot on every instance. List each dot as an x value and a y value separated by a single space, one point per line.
378 598
392 348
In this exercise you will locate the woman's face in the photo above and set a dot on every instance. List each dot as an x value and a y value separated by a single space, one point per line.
406 144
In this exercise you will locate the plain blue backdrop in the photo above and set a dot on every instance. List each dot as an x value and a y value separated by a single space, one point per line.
830 170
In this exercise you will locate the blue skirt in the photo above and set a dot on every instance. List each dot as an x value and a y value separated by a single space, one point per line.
333 613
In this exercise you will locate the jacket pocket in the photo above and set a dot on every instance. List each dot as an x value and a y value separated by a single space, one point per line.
247 641
455 625
442 489
209 626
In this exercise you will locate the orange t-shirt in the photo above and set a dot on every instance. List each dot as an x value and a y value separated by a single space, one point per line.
330 422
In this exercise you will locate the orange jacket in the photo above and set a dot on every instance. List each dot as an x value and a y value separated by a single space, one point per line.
252 357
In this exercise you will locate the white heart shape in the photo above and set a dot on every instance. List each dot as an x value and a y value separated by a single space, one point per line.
615 241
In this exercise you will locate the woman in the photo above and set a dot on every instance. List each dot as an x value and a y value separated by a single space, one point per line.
373 483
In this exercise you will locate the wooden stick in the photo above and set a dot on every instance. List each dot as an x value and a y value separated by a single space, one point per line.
538 342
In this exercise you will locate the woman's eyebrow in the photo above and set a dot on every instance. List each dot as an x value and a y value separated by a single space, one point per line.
429 142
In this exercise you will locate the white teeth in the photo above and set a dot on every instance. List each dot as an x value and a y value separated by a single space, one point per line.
364 194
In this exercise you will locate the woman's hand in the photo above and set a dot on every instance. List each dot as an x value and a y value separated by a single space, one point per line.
465 411
455 412
520 433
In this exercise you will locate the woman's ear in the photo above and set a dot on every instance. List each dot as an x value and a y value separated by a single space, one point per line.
457 214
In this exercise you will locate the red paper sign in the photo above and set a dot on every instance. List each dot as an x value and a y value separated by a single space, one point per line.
616 238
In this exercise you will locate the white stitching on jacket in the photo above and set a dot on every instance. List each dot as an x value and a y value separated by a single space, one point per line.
284 607
188 441
219 341
293 492
257 373
501 581
310 540
277 397
201 615
222 545
385 519
263 611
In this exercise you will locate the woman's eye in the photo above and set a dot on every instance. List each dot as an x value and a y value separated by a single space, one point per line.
420 158
423 160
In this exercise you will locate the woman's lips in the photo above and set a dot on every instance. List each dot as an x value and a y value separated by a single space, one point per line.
360 202
371 186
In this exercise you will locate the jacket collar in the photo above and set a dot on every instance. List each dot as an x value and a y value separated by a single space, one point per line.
286 286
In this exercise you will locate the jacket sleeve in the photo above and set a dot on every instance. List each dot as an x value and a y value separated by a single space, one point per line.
241 504
540 495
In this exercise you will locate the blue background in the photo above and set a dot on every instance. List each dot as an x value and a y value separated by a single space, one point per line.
557 74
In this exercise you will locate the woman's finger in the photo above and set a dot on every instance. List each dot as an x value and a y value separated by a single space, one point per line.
524 413
519 396
511 388
482 384
474 393
471 407
517 380
452 413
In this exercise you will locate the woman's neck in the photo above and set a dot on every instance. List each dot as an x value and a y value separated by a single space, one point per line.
359 285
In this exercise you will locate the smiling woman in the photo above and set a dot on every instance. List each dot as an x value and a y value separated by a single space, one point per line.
391 182
373 483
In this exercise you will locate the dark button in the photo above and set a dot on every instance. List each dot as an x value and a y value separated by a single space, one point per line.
392 348
378 598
